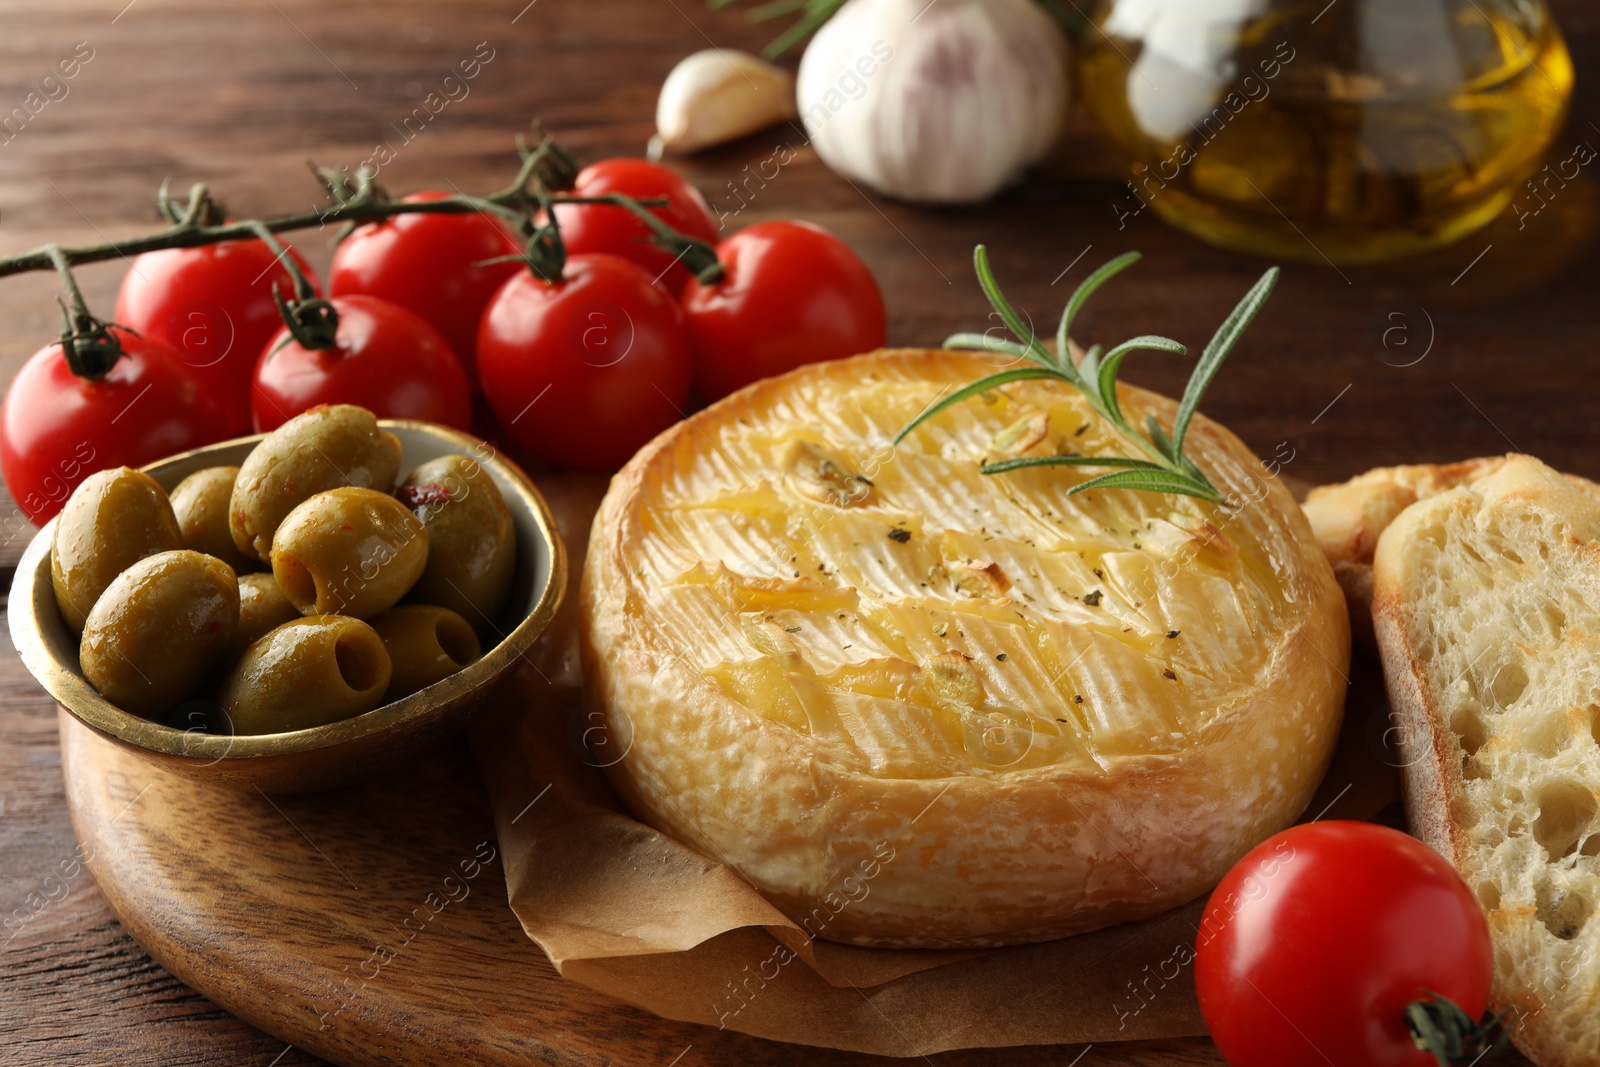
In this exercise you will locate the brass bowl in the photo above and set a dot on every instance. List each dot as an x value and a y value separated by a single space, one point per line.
322 756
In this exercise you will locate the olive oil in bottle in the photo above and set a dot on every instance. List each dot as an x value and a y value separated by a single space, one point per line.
1351 131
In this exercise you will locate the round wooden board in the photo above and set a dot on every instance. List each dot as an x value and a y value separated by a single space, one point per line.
292 913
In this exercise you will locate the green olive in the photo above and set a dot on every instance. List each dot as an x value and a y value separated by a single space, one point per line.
111 521
349 552
262 609
159 629
472 546
325 448
426 643
308 672
201 504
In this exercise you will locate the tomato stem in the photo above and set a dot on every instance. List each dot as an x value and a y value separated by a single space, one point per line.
88 343
548 163
201 210
1439 1027
312 321
699 257
547 252
545 173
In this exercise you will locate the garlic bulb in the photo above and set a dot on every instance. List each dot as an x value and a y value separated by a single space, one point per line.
719 95
941 102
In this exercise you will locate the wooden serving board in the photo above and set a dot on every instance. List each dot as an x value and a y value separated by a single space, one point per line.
370 925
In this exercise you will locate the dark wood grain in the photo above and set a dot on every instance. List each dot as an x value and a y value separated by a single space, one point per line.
289 913
240 94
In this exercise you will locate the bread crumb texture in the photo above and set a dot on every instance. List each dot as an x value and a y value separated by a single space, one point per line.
823 648
1487 600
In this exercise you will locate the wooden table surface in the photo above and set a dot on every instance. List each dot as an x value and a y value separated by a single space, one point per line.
1478 349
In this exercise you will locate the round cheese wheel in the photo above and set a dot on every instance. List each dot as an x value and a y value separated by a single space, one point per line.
918 705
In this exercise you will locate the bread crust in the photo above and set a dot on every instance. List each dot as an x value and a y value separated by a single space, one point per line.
1349 517
1429 753
1432 754
958 860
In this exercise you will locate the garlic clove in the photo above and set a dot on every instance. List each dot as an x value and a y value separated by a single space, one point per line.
719 95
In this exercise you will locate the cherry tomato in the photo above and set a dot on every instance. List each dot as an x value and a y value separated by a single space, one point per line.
585 371
792 293
386 359
213 306
425 263
1313 945
56 428
608 228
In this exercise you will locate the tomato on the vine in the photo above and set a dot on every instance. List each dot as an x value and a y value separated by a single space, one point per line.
213 306
384 358
587 228
1312 947
584 371
792 293
57 428
429 265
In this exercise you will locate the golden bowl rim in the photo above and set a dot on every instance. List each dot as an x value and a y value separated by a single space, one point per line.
80 699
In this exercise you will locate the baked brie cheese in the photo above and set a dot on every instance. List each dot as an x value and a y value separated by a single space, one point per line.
916 705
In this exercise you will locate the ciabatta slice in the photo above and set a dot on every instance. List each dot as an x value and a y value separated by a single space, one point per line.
1348 518
1487 613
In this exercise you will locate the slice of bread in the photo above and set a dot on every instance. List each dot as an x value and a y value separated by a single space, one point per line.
1348 518
1487 615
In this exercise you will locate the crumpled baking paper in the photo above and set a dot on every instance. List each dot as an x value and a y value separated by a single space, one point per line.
631 912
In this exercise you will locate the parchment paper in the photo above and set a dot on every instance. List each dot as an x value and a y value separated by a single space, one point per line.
626 910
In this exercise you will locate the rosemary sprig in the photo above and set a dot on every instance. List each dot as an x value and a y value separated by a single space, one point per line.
1168 469
813 13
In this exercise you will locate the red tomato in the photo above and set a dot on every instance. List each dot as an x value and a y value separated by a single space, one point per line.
213 306
1313 945
585 371
793 293
425 263
387 360
56 428
608 228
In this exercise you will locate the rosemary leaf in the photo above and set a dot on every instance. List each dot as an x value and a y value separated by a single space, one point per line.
1107 378
817 12
985 343
1159 438
982 385
1150 481
1216 351
777 9
1001 466
1089 374
1008 314
1086 289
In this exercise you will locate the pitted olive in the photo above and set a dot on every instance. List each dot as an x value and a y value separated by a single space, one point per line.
112 520
472 548
349 551
426 644
308 672
325 448
159 629
201 504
